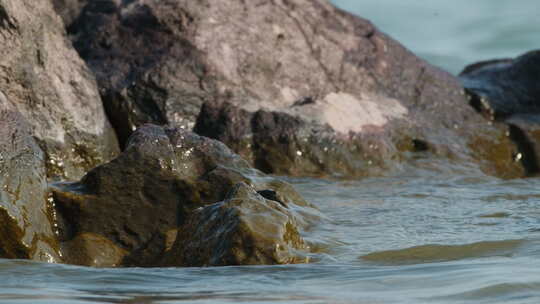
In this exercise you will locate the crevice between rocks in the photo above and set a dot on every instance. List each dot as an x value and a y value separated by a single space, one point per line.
527 152
5 20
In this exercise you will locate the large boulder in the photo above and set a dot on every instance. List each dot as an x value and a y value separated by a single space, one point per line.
45 80
26 217
316 90
134 207
507 92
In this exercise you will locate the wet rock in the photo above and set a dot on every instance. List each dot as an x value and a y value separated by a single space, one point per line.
244 229
26 218
45 80
504 87
88 249
506 92
137 203
314 90
280 143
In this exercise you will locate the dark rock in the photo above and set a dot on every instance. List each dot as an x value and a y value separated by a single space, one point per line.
45 80
137 203
524 130
296 87
26 218
244 229
147 68
505 87
506 91
280 143
69 10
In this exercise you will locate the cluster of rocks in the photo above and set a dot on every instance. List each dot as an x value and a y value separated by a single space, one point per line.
176 198
136 133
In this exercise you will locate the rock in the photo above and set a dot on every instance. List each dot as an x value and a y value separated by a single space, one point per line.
283 144
525 132
504 87
45 80
137 203
147 68
244 229
296 87
69 10
26 230
88 249
506 92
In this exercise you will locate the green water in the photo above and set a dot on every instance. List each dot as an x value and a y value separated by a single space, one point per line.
432 234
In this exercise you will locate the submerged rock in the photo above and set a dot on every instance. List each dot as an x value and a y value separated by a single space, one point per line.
506 91
438 253
137 204
44 79
26 229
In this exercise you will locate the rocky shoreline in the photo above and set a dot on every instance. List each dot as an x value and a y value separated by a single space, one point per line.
141 133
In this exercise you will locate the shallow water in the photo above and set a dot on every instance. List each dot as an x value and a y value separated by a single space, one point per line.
479 241
427 235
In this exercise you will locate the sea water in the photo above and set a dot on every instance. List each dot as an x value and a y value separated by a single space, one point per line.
430 234
452 34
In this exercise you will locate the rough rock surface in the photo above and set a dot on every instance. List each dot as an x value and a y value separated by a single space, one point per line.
26 230
506 91
345 98
244 229
138 203
44 79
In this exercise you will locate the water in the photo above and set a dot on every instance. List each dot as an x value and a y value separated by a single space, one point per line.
451 34
431 235
479 238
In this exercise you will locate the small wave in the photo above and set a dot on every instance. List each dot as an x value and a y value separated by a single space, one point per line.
439 253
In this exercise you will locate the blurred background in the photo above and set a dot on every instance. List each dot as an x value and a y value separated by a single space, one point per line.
452 34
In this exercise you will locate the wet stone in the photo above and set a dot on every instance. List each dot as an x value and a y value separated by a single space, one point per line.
142 204
244 229
506 92
26 230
